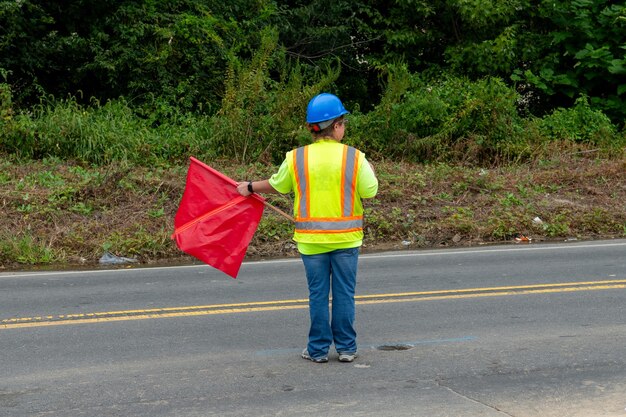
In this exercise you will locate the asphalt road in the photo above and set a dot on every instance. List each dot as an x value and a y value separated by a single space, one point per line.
536 330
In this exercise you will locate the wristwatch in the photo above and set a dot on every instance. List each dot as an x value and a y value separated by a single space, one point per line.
250 187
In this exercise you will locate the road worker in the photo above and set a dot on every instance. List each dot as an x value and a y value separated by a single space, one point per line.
329 179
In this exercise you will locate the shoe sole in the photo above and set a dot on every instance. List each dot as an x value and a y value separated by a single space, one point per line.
314 360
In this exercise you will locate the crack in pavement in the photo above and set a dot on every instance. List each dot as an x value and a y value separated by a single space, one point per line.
439 384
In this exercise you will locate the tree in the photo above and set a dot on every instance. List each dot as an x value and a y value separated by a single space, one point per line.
160 54
171 56
582 53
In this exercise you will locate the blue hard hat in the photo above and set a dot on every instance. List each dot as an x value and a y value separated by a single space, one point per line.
324 107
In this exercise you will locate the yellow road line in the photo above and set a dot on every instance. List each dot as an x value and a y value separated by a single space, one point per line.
149 316
516 287
154 311
188 311
495 294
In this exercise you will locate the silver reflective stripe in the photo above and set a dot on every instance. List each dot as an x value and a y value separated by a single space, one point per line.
348 196
322 225
302 185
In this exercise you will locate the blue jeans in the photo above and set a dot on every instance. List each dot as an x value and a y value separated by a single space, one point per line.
336 269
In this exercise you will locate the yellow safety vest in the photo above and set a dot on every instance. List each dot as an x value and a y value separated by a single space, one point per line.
327 207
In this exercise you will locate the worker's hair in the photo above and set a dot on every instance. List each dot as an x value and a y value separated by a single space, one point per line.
327 131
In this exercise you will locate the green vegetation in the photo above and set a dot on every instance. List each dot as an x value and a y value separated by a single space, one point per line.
171 56
152 82
480 115
130 211
455 119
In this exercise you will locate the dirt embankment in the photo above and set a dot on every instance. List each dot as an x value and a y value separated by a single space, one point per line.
66 214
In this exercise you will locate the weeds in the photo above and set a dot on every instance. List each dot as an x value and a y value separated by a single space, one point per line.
27 250
450 119
80 211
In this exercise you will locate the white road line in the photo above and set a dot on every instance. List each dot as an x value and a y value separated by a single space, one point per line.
403 254
492 249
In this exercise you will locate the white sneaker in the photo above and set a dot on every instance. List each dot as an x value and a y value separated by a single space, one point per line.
305 355
347 356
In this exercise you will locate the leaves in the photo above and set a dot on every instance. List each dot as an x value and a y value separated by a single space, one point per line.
172 57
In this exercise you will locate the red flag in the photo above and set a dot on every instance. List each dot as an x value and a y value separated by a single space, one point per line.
214 223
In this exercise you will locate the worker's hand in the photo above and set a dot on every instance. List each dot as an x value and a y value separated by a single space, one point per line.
242 188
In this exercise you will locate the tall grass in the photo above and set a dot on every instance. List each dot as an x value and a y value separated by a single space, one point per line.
261 118
101 134
418 119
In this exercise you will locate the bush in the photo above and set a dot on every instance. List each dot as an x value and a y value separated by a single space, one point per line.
101 134
580 124
448 118
444 119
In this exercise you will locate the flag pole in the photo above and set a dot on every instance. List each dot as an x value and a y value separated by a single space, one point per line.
279 211
276 209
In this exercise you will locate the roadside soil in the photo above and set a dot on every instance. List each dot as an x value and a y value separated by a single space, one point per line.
59 214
